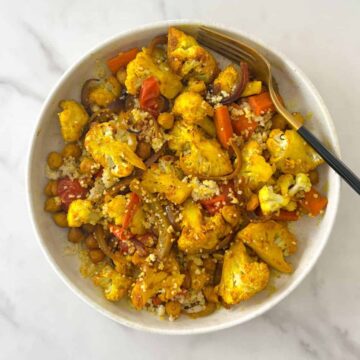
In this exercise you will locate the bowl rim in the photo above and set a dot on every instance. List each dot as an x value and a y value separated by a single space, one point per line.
209 328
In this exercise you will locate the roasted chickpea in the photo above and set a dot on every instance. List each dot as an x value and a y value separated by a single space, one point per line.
166 120
52 204
75 235
60 219
121 76
278 122
96 255
72 150
314 177
91 242
51 188
88 228
54 160
88 166
143 150
173 309
253 203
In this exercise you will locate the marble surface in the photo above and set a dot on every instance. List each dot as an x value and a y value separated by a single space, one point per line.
39 316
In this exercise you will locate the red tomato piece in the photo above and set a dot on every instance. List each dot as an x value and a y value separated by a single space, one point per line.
69 190
150 96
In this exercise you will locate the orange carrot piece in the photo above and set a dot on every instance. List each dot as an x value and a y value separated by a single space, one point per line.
285 215
261 103
131 209
224 130
121 60
243 126
313 203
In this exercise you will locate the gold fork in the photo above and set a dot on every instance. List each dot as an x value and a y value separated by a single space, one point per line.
236 50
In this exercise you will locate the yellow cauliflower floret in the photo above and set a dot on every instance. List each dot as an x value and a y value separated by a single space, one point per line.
158 179
242 277
115 285
271 241
254 167
199 155
166 282
270 201
73 119
195 85
113 148
192 107
82 212
188 59
142 67
105 93
115 210
290 153
200 233
226 80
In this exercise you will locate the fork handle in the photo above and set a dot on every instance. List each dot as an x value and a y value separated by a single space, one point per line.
331 159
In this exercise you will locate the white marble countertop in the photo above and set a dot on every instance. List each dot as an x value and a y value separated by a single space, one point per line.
39 316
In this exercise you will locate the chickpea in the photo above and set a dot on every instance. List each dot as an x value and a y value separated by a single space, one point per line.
253 203
75 235
278 122
91 242
88 166
51 188
54 160
60 219
96 255
166 120
72 150
121 76
173 309
143 150
314 177
88 228
52 204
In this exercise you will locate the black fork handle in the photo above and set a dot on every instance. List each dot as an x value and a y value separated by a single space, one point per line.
331 159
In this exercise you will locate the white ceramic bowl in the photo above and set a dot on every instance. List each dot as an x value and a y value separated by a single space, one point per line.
312 234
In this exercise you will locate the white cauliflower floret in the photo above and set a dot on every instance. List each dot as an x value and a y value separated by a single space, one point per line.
270 201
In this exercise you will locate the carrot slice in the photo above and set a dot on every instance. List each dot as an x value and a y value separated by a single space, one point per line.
243 126
224 130
313 203
122 59
261 103
285 215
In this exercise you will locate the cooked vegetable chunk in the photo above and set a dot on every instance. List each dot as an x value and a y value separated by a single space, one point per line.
113 148
73 119
82 212
192 108
188 59
200 233
242 277
226 80
270 201
271 241
105 93
198 154
254 167
142 67
290 153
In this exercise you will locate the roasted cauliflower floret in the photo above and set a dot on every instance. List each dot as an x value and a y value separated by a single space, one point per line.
271 241
226 80
162 178
200 233
254 167
115 210
290 153
270 201
231 214
114 284
199 155
242 277
113 148
73 119
142 67
188 59
104 93
82 212
192 108
152 281
197 86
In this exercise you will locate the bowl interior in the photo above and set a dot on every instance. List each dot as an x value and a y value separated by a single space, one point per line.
312 234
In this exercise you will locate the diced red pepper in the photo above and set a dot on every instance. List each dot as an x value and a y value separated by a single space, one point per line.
130 210
149 97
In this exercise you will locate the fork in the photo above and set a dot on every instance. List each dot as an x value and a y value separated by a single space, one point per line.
236 50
